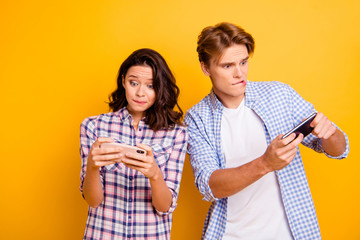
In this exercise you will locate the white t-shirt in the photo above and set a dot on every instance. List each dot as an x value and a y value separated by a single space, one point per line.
256 212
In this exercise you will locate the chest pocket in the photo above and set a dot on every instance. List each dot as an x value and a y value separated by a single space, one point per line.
161 155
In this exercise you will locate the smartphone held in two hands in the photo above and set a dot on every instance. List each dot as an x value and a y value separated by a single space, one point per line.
127 148
303 127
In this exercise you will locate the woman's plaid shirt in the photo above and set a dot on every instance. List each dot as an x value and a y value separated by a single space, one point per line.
127 211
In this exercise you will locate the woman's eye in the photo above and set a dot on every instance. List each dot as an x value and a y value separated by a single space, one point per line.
132 83
150 86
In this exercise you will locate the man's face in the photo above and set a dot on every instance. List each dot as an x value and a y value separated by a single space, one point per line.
229 75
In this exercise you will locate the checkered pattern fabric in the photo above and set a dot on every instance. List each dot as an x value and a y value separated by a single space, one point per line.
280 109
127 211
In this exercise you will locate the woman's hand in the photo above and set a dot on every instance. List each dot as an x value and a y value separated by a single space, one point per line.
99 157
161 195
144 164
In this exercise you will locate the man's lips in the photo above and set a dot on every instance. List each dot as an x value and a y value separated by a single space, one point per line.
239 82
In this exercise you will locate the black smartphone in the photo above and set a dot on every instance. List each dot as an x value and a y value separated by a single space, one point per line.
303 127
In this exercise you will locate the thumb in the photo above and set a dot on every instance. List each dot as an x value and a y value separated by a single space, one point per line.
101 140
147 148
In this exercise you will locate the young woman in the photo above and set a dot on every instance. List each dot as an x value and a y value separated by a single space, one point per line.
132 196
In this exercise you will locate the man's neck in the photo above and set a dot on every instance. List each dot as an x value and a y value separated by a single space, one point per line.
231 102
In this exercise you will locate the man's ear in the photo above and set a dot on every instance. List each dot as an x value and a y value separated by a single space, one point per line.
205 69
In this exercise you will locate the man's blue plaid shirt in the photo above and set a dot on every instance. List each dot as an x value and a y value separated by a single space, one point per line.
280 109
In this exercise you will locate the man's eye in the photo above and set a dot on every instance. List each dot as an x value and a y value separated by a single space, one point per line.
243 62
227 66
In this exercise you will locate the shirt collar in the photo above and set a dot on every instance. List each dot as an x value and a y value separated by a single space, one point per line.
216 105
124 114
251 94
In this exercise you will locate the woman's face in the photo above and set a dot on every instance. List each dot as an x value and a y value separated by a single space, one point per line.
140 94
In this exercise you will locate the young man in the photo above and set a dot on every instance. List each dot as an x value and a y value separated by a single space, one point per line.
254 178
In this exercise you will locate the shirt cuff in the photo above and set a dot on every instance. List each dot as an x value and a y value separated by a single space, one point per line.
172 207
205 189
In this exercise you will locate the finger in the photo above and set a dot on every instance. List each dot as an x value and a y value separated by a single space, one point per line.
295 142
108 157
289 139
101 164
289 155
139 169
105 139
327 130
105 151
136 156
135 163
320 129
100 140
317 119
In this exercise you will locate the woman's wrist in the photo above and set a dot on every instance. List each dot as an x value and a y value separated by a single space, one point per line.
157 175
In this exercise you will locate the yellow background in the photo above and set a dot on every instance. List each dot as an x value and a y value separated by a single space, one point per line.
59 61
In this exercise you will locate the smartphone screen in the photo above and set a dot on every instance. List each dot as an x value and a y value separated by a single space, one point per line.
304 127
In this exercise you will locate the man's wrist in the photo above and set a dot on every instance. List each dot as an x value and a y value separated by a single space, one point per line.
262 165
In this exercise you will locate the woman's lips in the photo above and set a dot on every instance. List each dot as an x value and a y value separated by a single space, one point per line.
140 102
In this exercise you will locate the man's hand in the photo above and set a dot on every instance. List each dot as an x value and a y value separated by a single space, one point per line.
323 127
281 152
332 139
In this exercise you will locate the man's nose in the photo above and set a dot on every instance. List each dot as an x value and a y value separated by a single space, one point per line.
237 72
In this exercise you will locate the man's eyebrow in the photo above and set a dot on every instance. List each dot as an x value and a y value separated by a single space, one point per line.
229 63
226 63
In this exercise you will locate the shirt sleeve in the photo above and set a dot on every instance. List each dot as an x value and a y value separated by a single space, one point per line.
302 109
313 142
203 156
87 138
174 168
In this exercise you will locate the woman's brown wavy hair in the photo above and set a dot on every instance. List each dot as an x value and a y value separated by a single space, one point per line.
161 115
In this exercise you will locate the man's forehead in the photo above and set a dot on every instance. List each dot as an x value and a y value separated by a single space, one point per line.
229 54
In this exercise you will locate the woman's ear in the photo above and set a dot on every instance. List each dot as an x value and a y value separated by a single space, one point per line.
205 69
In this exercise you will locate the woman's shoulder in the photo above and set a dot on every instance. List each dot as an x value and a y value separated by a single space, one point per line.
92 120
174 132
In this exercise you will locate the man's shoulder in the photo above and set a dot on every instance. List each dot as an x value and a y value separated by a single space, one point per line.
203 106
268 85
268 90
201 110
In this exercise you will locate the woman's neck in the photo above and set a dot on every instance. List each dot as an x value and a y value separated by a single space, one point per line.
137 116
